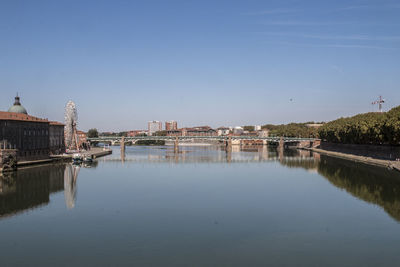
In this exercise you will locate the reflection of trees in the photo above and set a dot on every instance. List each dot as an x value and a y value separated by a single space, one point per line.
296 162
368 183
29 188
372 184
293 158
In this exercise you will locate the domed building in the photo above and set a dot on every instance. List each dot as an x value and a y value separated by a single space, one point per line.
17 107
32 138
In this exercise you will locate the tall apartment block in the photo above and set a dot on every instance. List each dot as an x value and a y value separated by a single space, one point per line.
154 126
171 125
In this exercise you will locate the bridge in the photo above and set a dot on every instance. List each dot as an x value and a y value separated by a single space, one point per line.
227 140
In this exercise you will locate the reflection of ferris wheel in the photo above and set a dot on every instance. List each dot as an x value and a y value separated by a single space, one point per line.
71 118
70 177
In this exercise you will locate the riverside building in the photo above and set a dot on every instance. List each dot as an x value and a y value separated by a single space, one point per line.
33 138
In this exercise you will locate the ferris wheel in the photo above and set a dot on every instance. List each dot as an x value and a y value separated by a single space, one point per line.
71 118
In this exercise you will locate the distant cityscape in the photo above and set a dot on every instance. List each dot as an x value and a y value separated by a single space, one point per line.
29 138
155 128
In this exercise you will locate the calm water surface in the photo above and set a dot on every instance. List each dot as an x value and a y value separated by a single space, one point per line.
201 207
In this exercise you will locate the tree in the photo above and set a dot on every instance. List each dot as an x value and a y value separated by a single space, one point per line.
368 128
123 134
291 130
248 128
93 133
160 133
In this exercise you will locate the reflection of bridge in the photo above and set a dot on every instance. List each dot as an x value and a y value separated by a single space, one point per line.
223 139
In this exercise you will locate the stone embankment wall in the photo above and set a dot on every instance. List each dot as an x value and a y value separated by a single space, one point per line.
8 160
384 152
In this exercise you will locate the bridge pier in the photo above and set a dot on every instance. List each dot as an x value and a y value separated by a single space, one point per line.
316 143
176 145
281 143
280 148
263 151
228 144
123 146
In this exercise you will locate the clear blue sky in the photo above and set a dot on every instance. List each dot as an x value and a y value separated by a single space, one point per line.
199 62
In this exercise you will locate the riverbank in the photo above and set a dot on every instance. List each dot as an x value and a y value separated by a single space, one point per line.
95 152
391 164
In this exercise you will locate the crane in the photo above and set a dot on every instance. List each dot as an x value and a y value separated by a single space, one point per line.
380 101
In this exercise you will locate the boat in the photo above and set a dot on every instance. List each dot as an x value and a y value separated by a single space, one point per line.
87 159
77 158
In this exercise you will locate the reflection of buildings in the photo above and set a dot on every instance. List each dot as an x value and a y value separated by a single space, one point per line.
29 188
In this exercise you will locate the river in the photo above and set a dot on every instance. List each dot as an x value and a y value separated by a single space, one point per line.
201 207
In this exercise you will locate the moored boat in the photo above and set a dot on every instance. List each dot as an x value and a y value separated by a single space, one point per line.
87 159
77 158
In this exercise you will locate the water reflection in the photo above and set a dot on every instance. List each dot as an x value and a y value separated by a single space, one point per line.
70 178
371 184
31 188
368 183
206 154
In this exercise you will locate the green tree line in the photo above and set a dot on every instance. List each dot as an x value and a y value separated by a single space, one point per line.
292 130
368 128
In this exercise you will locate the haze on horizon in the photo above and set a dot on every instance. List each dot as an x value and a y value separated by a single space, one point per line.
222 63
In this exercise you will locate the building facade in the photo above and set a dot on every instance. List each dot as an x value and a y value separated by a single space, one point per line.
136 133
154 126
171 125
56 138
199 131
82 138
29 135
222 131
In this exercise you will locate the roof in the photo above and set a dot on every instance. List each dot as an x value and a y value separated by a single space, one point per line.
12 116
199 129
17 107
56 123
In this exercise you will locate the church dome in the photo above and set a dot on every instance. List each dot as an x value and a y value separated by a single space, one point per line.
17 108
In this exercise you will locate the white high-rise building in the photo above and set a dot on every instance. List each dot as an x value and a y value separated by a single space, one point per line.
154 126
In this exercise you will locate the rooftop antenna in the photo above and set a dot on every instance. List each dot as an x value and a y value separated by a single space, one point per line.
380 101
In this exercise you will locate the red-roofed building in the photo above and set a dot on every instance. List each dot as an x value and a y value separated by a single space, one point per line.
136 132
29 135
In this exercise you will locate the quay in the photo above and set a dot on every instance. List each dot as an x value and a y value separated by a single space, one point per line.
95 152
390 164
